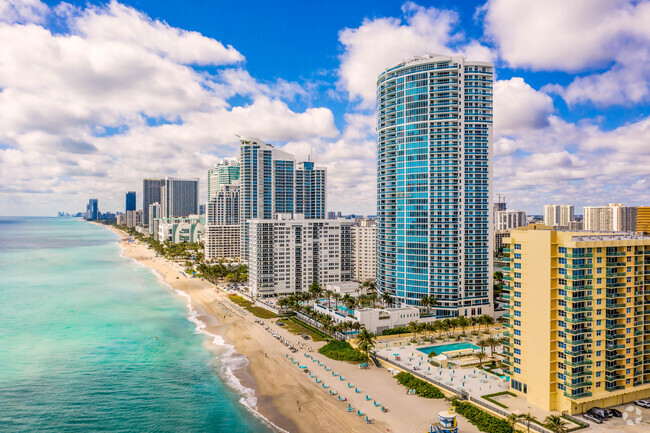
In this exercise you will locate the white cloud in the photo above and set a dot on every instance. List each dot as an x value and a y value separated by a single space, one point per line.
519 107
565 35
120 23
92 110
22 11
381 42
578 36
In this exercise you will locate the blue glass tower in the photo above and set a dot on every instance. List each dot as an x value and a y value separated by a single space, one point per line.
434 137
130 201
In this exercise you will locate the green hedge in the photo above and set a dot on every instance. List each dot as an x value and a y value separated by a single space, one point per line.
395 331
422 388
482 420
341 351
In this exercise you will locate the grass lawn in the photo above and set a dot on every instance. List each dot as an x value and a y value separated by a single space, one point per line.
297 327
341 351
260 312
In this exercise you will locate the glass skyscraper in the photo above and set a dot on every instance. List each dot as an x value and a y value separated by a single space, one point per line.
434 137
224 173
130 201
270 183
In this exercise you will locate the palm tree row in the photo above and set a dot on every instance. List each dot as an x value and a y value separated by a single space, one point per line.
554 423
449 325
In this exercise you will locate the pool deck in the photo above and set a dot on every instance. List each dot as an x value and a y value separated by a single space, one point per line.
472 380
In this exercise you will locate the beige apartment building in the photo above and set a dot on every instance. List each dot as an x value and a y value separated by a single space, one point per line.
579 320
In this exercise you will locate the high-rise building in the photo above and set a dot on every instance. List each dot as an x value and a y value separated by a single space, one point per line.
150 194
223 173
509 219
288 253
578 333
134 218
120 219
223 207
434 183
179 197
130 201
154 215
364 251
558 215
311 186
643 220
92 209
221 242
613 217
269 185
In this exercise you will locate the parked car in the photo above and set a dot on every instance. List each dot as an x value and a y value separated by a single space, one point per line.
599 412
643 403
615 412
592 418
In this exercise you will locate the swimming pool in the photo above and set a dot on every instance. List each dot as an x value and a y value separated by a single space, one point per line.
447 348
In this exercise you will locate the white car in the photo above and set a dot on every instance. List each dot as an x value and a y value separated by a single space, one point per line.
643 403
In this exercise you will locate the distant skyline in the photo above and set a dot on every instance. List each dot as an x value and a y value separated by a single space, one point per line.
95 96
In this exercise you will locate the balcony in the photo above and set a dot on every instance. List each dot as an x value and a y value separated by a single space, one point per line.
578 342
578 373
577 298
578 319
615 326
577 256
615 367
578 363
576 385
614 388
614 336
578 310
575 396
580 266
577 331
615 253
614 264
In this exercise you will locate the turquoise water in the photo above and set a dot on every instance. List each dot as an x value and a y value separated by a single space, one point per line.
78 351
447 348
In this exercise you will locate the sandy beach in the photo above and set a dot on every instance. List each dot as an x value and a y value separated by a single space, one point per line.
286 396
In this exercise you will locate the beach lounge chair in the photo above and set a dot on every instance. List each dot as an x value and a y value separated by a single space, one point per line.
350 385
318 380
334 373
325 386
350 409
368 420
384 409
341 398
357 390
360 413
342 378
368 398
376 403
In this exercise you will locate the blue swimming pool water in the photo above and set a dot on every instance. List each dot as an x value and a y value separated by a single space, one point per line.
447 348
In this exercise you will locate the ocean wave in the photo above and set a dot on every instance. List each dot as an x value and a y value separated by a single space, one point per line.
230 359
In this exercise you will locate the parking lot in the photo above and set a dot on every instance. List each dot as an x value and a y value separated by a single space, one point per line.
635 420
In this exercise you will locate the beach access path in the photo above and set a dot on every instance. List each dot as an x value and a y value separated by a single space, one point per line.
289 398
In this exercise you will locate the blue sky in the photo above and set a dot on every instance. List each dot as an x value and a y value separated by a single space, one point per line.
97 95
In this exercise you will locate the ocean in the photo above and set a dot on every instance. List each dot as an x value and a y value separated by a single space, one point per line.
91 341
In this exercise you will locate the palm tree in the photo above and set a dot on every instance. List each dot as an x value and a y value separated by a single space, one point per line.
512 419
473 321
414 328
329 293
373 298
555 424
315 290
481 356
432 302
366 341
482 344
386 299
424 301
528 418
350 303
492 342
436 326
337 297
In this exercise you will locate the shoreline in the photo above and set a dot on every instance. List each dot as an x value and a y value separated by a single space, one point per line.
266 379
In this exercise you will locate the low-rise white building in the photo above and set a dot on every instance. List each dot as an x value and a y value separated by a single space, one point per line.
287 254
181 229
344 287
221 241
375 320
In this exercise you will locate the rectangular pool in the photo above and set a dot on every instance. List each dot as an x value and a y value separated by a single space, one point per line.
447 348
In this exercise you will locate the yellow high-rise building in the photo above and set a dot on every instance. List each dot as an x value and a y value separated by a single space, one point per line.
579 317
643 220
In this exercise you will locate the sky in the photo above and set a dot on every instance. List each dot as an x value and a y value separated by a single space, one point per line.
95 96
